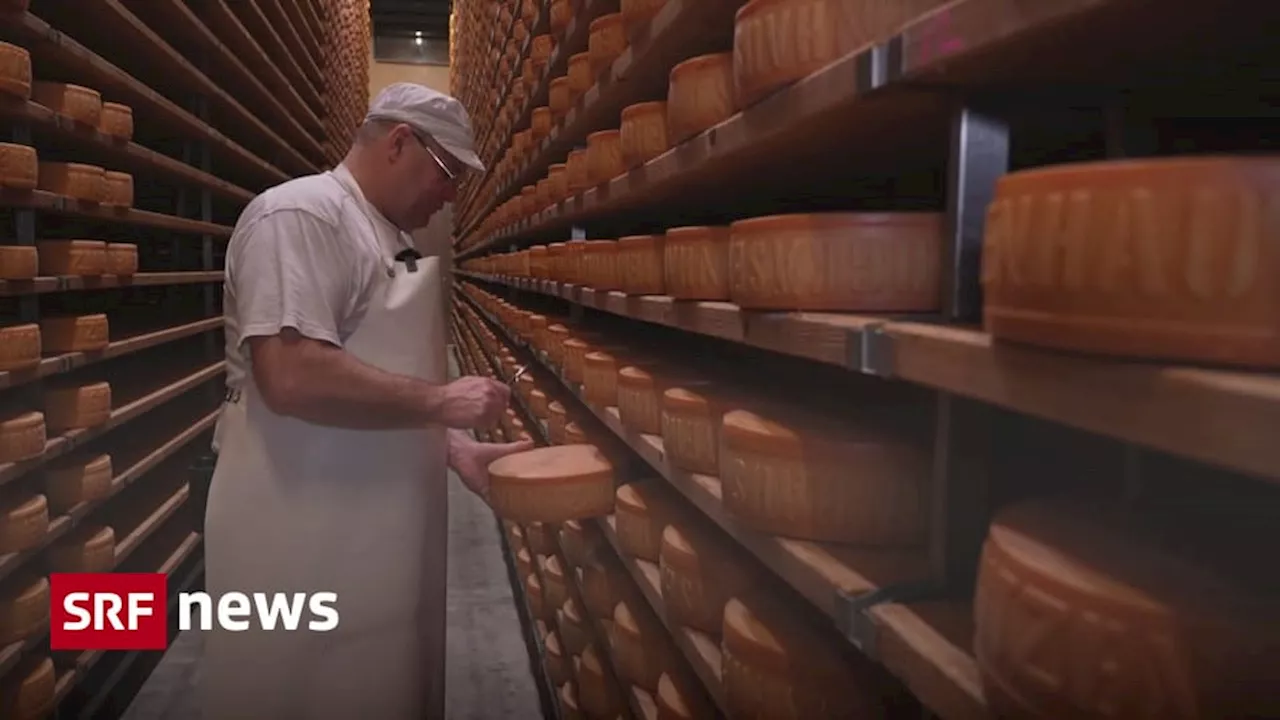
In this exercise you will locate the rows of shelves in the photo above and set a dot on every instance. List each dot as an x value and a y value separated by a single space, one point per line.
133 134
942 325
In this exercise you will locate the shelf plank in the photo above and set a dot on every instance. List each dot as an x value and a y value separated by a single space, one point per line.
56 48
151 523
288 31
130 156
63 283
65 443
43 201
260 27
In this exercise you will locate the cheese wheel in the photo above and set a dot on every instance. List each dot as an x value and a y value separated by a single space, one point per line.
117 121
642 648
573 630
680 701
541 627
552 484
556 420
22 436
24 608
78 181
122 259
515 534
561 15
29 690
640 265
854 262
558 177
81 104
581 543
72 257
603 586
1087 609
699 573
600 258
579 178
74 333
524 561
19 262
529 207
695 263
24 521
569 708
119 191
777 42
804 477
538 404
691 419
574 351
642 511
636 13
606 39
604 156
19 346
19 167
541 48
540 122
524 387
541 538
642 135
1148 259
558 97
538 606
600 379
70 407
699 95
77 479
15 71
598 696
554 586
777 666
557 665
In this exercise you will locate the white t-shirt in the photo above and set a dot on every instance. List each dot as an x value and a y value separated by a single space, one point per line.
302 256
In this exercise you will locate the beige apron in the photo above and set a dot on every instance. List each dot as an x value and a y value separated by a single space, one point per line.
296 507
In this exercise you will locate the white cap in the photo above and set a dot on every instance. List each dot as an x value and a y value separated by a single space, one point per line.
434 113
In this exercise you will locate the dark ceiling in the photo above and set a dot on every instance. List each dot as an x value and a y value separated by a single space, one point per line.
406 18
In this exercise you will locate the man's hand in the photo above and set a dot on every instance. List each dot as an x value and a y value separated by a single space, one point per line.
473 402
470 459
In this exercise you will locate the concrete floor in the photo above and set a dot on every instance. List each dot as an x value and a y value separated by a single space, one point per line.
488 675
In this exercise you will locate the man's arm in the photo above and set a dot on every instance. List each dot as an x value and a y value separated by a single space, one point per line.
323 384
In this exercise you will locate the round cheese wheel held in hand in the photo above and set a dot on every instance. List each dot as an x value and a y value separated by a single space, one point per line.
552 484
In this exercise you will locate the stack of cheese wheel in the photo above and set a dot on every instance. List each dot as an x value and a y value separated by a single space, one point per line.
24 608
789 472
643 511
552 484
19 346
24 520
1087 609
642 648
695 263
29 690
1136 274
856 262
776 665
699 573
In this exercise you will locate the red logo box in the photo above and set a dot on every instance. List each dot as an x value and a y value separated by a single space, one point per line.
108 611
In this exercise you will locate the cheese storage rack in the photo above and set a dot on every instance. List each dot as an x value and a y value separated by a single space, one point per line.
134 132
940 238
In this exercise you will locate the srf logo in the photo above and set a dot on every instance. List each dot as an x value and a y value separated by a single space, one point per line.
108 611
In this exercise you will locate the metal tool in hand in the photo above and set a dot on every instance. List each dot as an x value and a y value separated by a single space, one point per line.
519 371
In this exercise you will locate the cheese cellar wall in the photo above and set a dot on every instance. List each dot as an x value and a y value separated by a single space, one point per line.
934 356
134 132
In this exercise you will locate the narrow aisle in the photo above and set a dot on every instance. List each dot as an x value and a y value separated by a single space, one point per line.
488 674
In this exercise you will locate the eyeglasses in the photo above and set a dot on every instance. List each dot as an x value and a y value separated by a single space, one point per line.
451 175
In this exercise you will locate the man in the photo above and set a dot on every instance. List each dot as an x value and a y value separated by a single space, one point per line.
339 422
